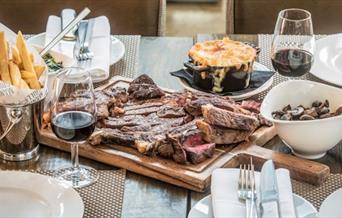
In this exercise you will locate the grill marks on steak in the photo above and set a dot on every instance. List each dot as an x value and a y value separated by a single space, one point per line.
224 118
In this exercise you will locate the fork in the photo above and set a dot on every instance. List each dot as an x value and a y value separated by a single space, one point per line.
85 52
247 190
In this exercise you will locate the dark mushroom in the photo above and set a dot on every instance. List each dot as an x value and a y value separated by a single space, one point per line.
287 108
323 110
297 112
316 104
306 117
286 117
311 112
326 103
323 116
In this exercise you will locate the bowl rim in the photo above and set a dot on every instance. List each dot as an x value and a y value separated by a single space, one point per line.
286 83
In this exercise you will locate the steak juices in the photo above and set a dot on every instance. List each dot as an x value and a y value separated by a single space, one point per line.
221 65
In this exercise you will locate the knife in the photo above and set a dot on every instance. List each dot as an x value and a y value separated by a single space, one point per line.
67 15
269 194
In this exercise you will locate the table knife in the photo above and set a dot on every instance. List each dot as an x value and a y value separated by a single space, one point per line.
269 194
67 15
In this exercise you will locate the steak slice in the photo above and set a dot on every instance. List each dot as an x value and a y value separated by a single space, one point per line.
140 128
144 105
224 118
142 111
194 107
118 123
119 93
221 135
200 153
112 136
103 102
167 111
143 87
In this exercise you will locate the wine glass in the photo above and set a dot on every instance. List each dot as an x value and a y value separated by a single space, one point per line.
73 120
293 43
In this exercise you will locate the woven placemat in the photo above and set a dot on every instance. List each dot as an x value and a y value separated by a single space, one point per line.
105 197
128 65
317 194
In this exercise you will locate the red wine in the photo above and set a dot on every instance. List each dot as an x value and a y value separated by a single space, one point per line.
292 62
73 126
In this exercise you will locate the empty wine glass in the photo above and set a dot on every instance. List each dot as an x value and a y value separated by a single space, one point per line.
293 43
73 120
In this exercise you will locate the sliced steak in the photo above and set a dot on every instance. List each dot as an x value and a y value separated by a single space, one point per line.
143 87
144 105
119 93
200 153
140 128
168 111
221 135
224 118
251 105
142 111
103 102
112 136
118 123
194 107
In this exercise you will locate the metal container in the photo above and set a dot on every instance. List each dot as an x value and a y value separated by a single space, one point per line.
17 135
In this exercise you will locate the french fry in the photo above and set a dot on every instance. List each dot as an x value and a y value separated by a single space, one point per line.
27 62
15 74
16 56
5 75
39 70
23 84
26 75
32 57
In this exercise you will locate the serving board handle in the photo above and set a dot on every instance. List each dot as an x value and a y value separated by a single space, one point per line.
300 169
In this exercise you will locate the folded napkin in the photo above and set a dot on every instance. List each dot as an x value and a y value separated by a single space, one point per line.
225 200
100 45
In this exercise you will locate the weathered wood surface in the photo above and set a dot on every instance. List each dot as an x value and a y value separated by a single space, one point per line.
146 197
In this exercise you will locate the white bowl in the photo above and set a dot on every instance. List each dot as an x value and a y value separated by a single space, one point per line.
308 139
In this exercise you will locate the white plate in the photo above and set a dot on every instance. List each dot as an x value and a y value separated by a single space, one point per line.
24 194
203 208
331 207
117 51
328 59
256 66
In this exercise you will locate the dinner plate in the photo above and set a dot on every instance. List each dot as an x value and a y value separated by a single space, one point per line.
256 66
203 208
328 59
117 51
331 206
25 194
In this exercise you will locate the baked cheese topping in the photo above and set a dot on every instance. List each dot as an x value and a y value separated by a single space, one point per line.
222 53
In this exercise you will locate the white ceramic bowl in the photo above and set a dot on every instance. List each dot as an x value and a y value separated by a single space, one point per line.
308 139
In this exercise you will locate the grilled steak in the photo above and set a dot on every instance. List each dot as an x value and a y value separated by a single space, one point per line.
142 111
143 87
194 107
228 119
168 111
221 135
143 105
118 93
200 153
112 136
118 123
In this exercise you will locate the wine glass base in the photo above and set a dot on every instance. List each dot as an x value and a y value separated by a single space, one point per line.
76 177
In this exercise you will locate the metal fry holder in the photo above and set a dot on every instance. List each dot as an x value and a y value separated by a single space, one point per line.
17 135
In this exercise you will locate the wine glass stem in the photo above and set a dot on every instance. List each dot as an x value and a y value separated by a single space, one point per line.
74 155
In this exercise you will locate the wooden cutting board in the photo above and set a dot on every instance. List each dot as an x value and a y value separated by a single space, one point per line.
194 177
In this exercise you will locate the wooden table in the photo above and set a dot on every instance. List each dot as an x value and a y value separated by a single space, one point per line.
146 197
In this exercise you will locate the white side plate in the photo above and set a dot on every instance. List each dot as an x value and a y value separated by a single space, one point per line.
331 207
257 66
328 59
25 194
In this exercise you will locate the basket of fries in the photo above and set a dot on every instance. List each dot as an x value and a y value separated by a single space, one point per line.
23 82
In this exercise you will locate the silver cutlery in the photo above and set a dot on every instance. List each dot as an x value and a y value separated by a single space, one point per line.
247 190
69 27
84 52
67 15
269 194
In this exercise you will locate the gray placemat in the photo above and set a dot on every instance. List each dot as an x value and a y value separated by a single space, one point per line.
317 194
265 43
128 65
105 197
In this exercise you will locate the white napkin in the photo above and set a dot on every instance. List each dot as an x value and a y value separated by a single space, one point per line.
225 201
100 45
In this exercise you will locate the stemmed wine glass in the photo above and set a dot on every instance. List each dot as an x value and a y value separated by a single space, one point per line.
73 120
293 43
